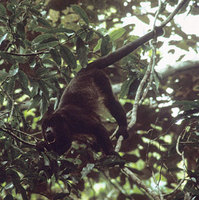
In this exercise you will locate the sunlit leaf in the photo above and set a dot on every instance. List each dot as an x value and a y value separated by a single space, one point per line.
68 56
117 33
3 38
81 13
86 170
97 47
13 71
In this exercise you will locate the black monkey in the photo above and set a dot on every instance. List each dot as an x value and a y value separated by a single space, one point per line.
78 110
78 113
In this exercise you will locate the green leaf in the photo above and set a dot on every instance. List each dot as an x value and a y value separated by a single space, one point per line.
106 45
19 59
55 56
81 52
53 30
125 87
61 30
47 45
35 102
43 37
117 33
7 57
21 30
23 79
35 88
11 7
9 86
1 101
68 56
41 72
89 35
35 11
3 75
2 10
44 106
13 71
98 45
3 38
81 13
44 89
43 22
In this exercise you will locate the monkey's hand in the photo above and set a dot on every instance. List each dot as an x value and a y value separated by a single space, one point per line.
42 146
122 131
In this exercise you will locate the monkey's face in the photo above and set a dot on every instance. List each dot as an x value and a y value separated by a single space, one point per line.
56 133
50 135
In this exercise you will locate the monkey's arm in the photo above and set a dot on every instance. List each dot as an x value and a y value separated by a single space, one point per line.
42 146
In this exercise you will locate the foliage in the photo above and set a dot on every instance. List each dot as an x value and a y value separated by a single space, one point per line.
42 46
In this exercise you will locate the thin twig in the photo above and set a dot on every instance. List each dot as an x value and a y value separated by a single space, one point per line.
147 73
12 102
24 133
16 137
177 9
117 187
27 54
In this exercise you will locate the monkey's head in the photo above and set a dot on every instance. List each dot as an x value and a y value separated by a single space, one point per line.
56 133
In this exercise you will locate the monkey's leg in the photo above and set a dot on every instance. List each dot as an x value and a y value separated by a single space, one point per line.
115 108
82 123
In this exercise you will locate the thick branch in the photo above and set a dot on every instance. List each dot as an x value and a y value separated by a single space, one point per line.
179 68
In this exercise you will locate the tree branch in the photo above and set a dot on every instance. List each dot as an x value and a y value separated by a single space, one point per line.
179 68
150 67
130 47
139 183
27 54
16 137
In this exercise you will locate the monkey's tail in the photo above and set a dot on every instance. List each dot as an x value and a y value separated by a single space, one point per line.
125 50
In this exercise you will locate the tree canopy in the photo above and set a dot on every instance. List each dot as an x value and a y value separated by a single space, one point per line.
44 43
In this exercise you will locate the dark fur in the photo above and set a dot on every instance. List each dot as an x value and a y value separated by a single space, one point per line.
78 113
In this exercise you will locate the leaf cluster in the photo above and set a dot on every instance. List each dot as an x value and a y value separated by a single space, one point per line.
40 55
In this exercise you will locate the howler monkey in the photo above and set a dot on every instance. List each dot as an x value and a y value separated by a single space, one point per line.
78 113
78 110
